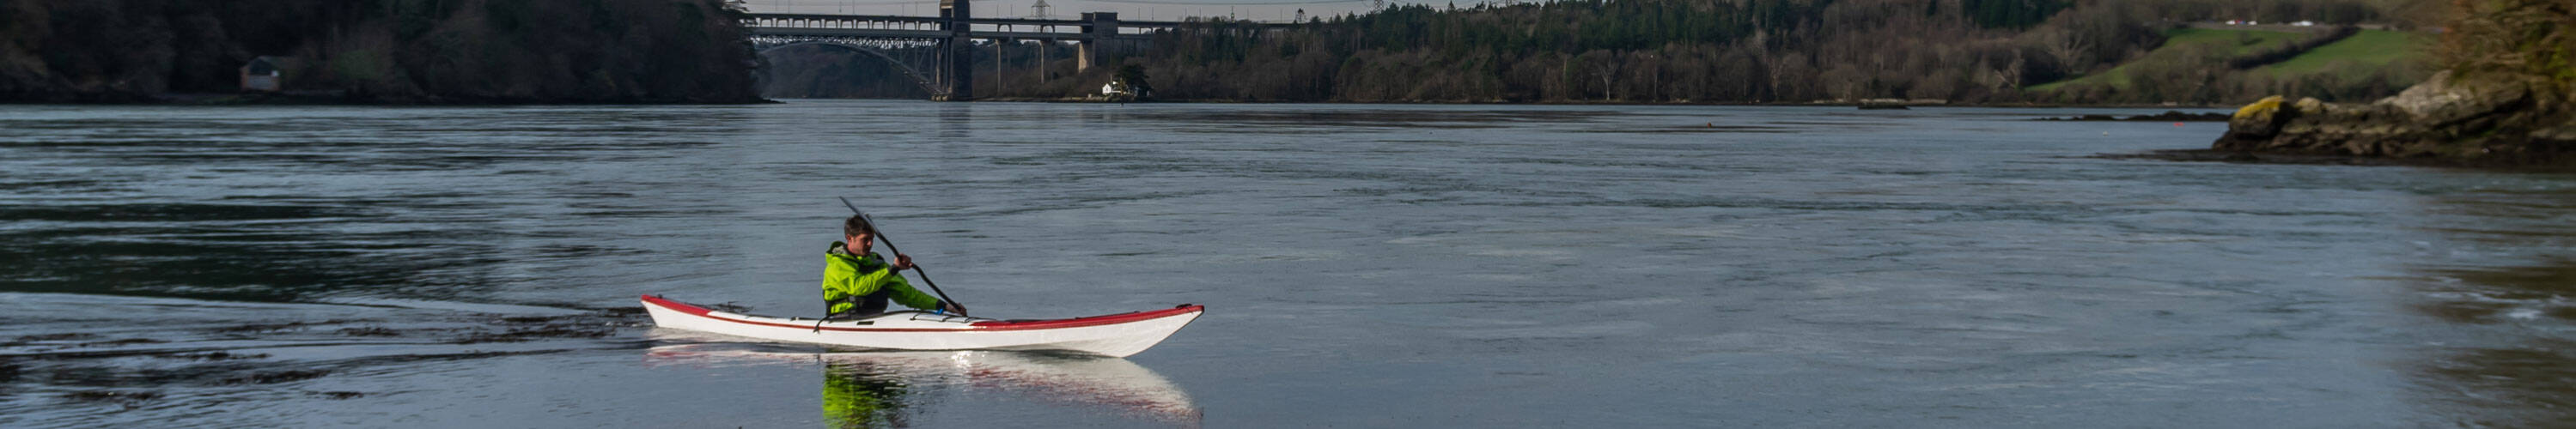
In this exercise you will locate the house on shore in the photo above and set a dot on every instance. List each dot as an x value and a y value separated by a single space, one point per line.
261 75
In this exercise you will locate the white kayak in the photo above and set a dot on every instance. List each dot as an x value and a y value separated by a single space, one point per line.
1115 335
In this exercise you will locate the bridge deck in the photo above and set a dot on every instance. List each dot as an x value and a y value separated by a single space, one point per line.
948 77
981 21
938 20
891 33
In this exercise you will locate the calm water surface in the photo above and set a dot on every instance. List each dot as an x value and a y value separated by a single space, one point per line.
1363 266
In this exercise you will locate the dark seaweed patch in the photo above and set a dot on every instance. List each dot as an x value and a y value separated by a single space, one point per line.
2491 292
212 356
126 398
274 377
627 311
260 327
371 331
119 342
231 252
169 212
24 339
524 334
2527 384
58 184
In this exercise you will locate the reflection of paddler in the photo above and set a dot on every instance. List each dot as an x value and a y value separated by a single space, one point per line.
874 389
857 396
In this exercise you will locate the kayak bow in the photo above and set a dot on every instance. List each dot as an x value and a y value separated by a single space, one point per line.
1115 335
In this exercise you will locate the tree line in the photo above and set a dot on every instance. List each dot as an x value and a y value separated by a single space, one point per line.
1709 51
389 51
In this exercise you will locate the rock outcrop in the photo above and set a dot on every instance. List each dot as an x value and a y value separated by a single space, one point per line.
2488 119
2505 100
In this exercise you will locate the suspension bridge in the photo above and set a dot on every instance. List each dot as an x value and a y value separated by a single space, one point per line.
935 52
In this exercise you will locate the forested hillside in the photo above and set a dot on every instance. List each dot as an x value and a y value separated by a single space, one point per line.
1643 51
436 51
1761 51
1749 51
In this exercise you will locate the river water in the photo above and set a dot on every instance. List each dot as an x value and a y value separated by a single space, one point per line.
1363 266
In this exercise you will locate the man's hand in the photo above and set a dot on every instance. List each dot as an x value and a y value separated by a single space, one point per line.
902 262
952 307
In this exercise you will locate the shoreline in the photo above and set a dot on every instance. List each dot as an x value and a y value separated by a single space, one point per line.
1848 104
2276 158
322 99
238 99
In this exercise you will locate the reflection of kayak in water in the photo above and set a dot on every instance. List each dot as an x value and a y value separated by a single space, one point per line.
870 388
1116 335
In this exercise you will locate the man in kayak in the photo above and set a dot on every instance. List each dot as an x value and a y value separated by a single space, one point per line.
857 282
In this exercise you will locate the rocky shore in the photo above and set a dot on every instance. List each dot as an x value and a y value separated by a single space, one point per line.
2508 98
2493 120
2167 116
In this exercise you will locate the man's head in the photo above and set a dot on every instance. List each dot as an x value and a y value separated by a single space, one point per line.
857 233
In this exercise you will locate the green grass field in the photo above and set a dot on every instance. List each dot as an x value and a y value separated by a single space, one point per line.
2368 49
2180 47
2201 47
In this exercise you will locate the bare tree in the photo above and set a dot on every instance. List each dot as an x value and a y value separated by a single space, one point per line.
2067 44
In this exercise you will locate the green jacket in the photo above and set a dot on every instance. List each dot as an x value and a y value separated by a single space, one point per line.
846 277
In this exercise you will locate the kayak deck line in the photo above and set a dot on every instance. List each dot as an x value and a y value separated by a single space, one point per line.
1089 321
1116 335
982 325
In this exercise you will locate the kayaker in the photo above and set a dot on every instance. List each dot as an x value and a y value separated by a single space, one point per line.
857 282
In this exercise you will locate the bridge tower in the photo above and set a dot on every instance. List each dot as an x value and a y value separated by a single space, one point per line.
957 71
1100 28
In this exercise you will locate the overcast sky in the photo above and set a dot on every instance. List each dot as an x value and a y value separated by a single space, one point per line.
1143 10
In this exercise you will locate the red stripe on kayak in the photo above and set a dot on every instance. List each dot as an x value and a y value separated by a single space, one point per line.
1089 321
676 305
990 325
